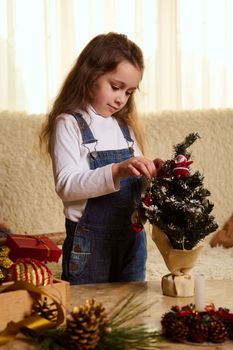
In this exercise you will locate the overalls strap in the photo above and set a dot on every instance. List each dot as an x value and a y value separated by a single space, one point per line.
125 131
86 132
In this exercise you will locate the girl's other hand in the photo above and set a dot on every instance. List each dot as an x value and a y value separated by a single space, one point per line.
134 167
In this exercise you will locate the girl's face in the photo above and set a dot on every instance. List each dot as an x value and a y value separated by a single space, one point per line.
112 90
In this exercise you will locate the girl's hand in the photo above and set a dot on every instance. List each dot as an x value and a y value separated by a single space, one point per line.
158 165
134 167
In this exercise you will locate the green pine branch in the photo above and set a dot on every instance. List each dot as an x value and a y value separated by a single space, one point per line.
128 338
181 148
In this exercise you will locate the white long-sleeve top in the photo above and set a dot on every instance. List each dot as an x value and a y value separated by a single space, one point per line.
75 182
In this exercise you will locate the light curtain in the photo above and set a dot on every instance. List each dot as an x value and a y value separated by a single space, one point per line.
187 44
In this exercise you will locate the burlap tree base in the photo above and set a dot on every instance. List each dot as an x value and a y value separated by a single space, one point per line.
180 282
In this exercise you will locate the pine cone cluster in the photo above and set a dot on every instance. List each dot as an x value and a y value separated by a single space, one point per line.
187 324
85 325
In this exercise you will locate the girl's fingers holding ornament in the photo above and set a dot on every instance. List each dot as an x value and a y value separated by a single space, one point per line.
151 168
135 166
158 163
159 167
133 170
144 166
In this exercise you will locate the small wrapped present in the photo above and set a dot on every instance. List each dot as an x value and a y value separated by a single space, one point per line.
37 247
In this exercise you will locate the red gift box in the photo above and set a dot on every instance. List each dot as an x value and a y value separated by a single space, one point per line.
37 247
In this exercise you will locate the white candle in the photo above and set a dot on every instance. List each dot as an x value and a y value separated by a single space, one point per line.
199 292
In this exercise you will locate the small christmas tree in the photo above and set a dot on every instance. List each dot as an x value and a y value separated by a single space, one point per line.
177 202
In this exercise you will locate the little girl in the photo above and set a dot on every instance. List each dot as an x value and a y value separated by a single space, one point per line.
95 142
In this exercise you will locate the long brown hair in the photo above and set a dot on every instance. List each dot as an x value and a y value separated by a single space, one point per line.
101 55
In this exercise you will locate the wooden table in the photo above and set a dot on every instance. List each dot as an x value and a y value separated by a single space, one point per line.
218 292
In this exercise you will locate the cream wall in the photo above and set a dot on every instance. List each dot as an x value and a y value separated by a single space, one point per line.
28 202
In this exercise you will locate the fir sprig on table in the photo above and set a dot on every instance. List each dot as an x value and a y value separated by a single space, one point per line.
128 338
179 206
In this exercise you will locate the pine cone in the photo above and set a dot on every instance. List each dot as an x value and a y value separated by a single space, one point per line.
174 329
230 331
167 319
42 308
227 318
217 332
178 331
85 325
199 331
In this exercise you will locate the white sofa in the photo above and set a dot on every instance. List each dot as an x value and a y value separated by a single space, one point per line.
28 202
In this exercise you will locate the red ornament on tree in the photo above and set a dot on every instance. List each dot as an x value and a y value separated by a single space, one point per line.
148 200
138 227
181 166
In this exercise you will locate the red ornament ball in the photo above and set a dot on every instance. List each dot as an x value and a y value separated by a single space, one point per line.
31 271
148 200
138 227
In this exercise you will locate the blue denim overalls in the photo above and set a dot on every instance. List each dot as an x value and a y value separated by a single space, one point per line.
102 246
